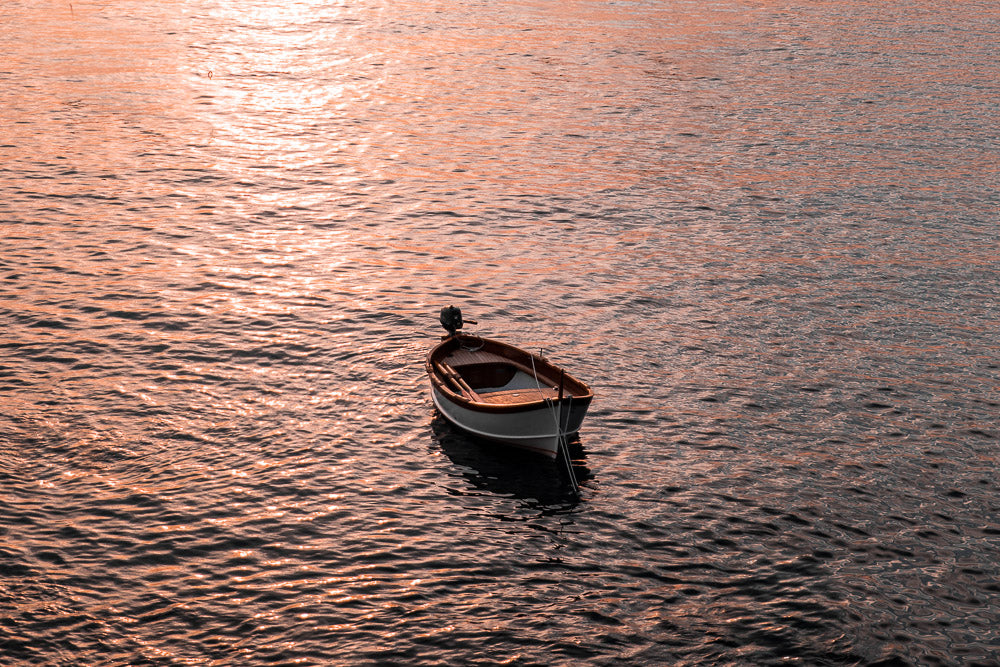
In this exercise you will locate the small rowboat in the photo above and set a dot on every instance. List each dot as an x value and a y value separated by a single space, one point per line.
502 393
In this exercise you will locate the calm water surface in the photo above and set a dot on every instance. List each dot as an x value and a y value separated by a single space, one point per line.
765 232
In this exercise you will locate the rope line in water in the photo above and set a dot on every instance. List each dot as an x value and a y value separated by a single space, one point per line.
561 440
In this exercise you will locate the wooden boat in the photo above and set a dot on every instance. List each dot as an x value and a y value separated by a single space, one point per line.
502 393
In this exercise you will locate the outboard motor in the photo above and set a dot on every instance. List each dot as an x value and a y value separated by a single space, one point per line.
451 319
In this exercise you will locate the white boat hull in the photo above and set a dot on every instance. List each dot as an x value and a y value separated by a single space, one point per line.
535 429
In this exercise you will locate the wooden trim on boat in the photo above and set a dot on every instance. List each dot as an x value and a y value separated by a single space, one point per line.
448 381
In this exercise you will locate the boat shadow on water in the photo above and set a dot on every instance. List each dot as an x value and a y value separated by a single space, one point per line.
506 471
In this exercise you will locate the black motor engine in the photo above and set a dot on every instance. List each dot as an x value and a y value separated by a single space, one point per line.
451 319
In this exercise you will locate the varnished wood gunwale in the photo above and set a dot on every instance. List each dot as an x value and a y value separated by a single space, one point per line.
450 355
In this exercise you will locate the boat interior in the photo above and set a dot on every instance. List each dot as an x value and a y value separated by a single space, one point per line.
487 377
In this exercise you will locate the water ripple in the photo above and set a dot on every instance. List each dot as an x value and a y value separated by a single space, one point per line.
765 236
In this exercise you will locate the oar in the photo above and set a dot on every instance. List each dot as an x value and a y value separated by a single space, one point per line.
456 380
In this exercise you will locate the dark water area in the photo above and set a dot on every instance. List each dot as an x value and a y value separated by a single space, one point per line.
766 233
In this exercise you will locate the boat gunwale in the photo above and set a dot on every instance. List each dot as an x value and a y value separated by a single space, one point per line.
577 391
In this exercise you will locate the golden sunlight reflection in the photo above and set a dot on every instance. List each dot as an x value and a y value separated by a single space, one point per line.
273 104
229 227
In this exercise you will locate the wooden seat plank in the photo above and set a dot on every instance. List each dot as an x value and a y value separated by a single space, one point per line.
515 396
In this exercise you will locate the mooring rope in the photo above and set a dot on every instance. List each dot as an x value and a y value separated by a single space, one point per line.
561 439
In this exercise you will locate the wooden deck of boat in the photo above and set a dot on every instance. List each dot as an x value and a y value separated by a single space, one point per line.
445 364
462 357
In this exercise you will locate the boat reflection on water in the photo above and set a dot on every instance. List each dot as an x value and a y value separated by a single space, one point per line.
507 471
